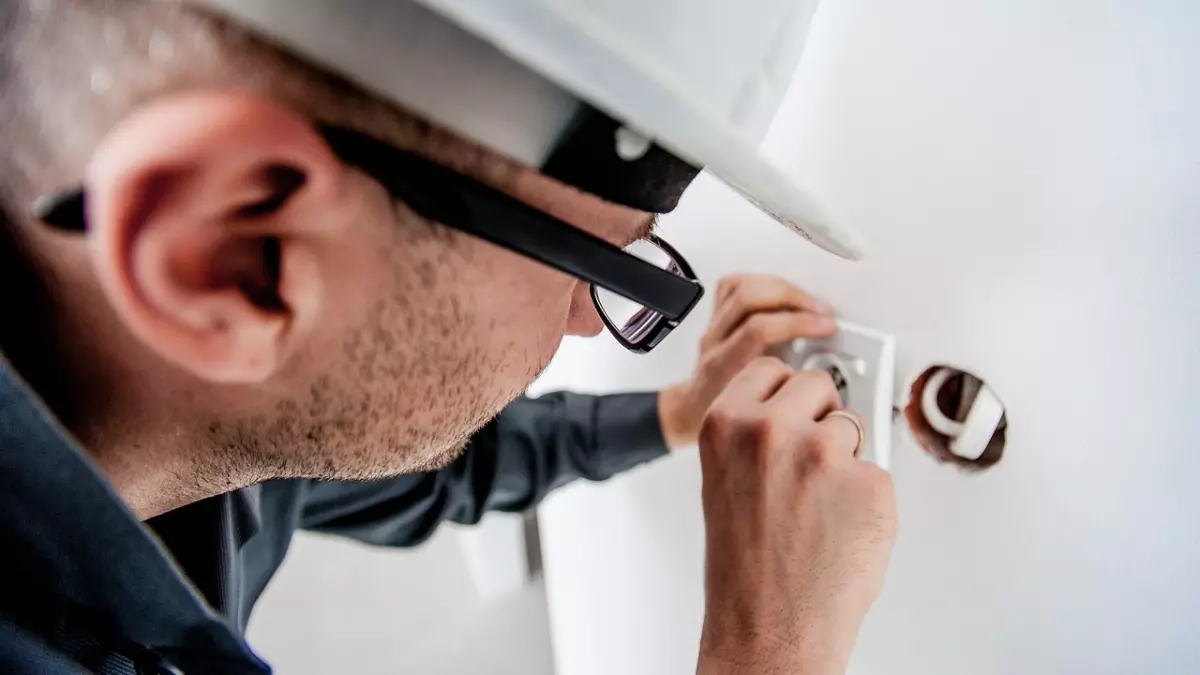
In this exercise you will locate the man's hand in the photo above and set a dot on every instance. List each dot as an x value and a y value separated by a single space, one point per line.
752 313
799 532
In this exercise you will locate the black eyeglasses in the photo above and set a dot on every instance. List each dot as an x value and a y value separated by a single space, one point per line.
641 293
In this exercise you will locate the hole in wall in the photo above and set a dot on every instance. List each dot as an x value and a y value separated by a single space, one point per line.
957 418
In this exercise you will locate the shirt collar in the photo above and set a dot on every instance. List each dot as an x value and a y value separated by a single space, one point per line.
67 532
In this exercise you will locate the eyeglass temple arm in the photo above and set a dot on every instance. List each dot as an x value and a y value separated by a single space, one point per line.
524 230
452 199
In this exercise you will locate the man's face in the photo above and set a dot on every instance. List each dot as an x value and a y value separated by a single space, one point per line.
327 329
431 332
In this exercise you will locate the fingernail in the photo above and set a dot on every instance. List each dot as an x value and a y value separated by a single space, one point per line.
822 308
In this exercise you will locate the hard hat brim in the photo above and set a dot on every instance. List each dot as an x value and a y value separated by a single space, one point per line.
595 67
512 75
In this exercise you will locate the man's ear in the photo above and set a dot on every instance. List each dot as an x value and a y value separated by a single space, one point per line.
206 214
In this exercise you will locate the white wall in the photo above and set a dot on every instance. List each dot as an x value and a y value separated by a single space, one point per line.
340 607
1026 175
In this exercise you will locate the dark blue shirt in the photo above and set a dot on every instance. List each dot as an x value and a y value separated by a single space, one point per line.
88 588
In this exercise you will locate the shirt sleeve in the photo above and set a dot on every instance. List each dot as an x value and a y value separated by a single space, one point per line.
532 447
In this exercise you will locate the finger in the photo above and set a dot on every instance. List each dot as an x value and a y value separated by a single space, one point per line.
764 330
763 294
726 286
720 363
756 382
842 432
755 284
809 394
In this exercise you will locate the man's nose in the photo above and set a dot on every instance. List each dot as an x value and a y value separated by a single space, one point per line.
583 320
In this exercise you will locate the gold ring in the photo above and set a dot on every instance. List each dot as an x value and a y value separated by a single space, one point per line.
862 433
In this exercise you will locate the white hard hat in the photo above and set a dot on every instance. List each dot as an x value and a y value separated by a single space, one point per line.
627 99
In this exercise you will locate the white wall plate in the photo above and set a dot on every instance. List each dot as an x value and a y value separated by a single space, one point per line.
867 360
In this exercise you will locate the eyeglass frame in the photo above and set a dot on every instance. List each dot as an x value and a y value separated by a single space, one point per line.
465 204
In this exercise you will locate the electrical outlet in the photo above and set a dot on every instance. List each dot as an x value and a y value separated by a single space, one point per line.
862 362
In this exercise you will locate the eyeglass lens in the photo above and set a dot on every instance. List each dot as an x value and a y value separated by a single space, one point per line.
631 319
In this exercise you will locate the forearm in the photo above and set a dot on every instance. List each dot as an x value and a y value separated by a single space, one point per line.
558 437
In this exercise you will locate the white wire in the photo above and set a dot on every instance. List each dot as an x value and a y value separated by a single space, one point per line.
929 405
969 438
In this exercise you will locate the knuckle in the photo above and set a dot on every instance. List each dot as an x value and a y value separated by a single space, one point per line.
709 364
711 436
758 432
718 421
713 439
736 295
757 331
753 446
820 448
741 441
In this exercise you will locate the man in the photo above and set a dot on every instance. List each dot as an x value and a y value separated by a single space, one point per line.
278 302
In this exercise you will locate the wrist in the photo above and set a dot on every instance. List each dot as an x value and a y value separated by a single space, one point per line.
758 659
677 416
810 647
770 664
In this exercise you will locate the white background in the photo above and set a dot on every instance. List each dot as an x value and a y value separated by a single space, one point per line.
340 607
1025 173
